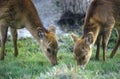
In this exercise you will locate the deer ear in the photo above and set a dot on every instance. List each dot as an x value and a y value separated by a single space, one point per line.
89 38
74 37
52 29
41 33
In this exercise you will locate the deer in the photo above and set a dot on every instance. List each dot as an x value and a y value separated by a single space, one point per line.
18 14
101 17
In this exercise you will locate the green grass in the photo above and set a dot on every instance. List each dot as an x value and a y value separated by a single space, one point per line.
32 64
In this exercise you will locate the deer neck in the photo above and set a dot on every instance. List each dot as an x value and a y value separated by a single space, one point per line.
33 28
32 20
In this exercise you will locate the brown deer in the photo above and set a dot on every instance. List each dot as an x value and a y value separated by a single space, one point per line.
17 14
100 19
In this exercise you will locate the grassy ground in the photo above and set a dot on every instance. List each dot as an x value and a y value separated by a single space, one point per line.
32 64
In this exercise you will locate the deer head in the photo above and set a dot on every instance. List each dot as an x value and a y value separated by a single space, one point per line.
83 48
49 44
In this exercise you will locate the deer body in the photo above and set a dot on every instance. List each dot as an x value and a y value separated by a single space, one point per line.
18 14
100 19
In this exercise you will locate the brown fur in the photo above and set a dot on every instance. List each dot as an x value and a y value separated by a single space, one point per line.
100 19
22 13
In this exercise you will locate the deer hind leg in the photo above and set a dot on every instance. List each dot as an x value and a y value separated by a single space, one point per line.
14 37
3 30
116 47
98 42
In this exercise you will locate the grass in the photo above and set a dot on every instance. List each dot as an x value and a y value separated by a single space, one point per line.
32 64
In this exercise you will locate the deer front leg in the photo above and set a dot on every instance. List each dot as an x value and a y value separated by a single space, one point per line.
98 42
14 37
3 30
116 47
105 37
109 25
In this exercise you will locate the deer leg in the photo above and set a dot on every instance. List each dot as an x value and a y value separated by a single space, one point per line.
104 45
98 47
105 39
109 25
115 48
3 30
14 37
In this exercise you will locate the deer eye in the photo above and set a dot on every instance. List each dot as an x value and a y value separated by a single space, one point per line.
48 49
